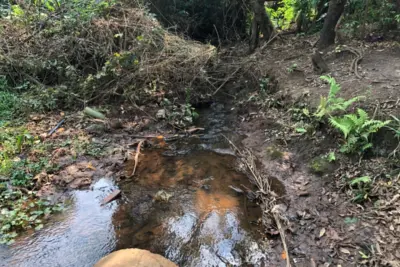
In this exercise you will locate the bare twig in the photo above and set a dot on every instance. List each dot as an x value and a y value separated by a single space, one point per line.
226 80
283 237
136 158
269 41
267 196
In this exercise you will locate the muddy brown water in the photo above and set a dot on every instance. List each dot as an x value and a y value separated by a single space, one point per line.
204 222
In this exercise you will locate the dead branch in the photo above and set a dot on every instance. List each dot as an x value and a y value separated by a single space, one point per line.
267 196
226 80
136 158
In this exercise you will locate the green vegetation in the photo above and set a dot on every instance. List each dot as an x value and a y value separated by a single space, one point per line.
21 209
274 152
321 165
332 103
361 187
357 130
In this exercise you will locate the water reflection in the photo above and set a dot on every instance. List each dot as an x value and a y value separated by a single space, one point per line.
205 223
77 237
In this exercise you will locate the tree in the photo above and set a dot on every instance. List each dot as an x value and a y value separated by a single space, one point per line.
335 11
261 23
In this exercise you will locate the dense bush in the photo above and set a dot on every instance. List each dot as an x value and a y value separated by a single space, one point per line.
208 20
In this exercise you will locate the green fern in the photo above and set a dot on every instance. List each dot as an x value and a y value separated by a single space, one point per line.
331 103
357 129
342 124
334 86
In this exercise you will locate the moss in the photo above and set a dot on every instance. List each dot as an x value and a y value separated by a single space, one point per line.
320 165
274 153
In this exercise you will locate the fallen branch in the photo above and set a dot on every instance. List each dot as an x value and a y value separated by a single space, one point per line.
282 234
226 80
269 41
56 127
136 158
267 196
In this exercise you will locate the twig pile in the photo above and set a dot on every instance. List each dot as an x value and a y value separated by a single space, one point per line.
77 56
271 210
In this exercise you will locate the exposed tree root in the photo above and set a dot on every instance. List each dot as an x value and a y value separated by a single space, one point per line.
354 64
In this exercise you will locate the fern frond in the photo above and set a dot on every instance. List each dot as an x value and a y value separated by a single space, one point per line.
372 126
334 86
349 102
363 115
354 119
343 124
366 146
321 110
395 118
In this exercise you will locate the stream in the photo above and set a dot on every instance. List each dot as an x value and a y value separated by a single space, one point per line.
201 222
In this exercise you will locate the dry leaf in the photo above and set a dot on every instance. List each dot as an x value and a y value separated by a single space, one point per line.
60 130
322 232
283 255
90 166
344 250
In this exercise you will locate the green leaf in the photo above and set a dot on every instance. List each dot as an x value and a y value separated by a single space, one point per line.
38 227
350 220
342 124
301 130
363 179
6 227
331 156
364 256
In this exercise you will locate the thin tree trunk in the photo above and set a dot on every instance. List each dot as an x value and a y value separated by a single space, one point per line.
254 36
327 36
261 22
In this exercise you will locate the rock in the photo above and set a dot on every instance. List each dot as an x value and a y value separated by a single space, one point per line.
161 114
96 128
134 258
162 196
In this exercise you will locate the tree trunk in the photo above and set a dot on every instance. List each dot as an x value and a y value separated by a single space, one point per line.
327 36
261 22
254 36
321 8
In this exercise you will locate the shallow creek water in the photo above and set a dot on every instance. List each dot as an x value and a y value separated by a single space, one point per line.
204 223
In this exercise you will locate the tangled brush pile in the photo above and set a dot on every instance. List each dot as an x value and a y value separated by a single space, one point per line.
122 52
